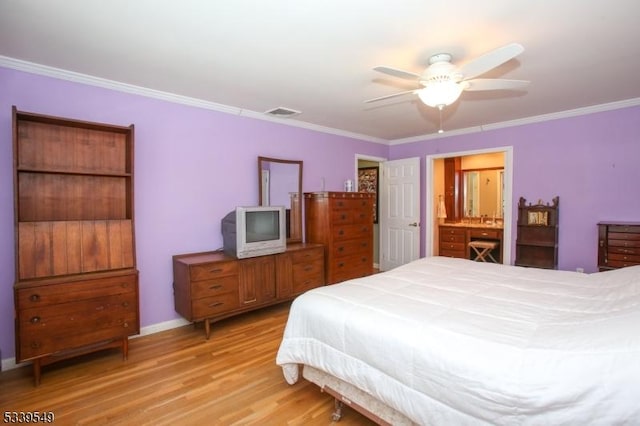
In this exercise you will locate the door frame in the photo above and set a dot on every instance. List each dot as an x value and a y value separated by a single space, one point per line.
508 197
379 160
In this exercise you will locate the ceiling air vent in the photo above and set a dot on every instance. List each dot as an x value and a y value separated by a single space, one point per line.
282 112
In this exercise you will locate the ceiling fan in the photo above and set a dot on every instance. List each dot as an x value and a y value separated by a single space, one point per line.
443 82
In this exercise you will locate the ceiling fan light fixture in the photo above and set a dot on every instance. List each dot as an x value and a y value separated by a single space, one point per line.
440 93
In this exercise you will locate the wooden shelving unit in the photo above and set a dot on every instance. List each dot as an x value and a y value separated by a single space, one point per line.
76 288
537 240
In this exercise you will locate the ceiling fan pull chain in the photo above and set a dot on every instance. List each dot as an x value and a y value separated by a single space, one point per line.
440 130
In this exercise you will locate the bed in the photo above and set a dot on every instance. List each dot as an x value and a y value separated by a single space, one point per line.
444 341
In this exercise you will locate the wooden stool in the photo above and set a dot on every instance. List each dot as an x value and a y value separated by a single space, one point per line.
483 250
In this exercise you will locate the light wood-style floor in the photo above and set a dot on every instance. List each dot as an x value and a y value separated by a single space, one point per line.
176 377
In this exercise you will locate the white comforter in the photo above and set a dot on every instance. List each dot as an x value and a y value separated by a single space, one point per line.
450 341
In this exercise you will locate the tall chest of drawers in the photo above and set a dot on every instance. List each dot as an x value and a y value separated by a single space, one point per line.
343 223
618 245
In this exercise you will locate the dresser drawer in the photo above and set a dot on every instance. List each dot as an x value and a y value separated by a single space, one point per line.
206 271
340 217
456 247
350 203
461 254
352 232
307 276
213 287
352 268
63 292
211 306
623 250
307 255
624 229
492 234
351 247
50 329
624 258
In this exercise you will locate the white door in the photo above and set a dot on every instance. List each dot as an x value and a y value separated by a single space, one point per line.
399 212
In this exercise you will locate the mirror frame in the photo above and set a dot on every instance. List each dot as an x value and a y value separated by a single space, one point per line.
464 190
295 219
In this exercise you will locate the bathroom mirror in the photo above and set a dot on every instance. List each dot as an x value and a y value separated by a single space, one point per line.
280 184
483 193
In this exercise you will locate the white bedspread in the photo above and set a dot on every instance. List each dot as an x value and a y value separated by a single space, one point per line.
450 341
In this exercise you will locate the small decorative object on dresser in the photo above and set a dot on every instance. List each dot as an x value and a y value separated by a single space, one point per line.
618 245
212 285
76 288
343 223
537 241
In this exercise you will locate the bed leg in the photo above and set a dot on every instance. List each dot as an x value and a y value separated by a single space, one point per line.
337 413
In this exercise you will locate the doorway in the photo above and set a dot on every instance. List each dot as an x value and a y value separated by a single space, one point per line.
430 200
367 161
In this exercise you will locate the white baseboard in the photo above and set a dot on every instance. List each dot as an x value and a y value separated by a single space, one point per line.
10 363
162 326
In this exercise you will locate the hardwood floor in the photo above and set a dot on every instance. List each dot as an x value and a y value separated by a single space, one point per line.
177 377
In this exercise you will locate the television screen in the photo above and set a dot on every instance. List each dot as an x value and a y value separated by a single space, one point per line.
262 226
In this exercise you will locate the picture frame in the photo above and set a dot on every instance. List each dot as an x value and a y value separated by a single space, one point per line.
538 218
368 182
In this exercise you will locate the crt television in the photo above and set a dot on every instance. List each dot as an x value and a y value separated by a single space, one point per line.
254 231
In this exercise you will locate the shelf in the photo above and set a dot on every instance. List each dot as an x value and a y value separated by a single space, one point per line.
73 172
551 244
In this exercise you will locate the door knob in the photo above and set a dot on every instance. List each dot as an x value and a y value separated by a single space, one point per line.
413 224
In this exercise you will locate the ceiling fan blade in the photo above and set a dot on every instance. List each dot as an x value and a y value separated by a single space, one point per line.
407 75
391 96
478 84
490 60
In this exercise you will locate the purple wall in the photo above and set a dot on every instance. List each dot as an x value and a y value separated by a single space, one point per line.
192 166
590 161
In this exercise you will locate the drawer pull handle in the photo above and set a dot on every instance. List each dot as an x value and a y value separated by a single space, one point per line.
215 287
341 232
343 216
215 304
100 308
308 268
250 301
34 297
35 320
340 265
35 345
484 234
125 324
125 304
216 270
124 285
340 249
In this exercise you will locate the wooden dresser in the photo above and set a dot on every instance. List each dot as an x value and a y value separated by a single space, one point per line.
76 288
618 245
343 223
211 286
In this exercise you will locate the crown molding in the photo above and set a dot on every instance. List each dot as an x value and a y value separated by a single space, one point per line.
76 77
522 121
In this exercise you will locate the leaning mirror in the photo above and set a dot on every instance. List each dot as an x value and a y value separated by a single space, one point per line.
280 184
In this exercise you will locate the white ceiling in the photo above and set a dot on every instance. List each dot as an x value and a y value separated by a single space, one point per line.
317 56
